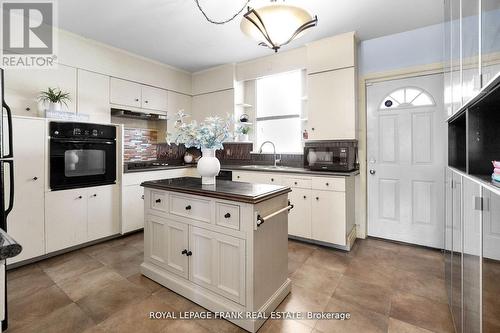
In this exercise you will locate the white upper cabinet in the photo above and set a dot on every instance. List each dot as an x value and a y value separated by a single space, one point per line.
154 98
93 96
123 92
213 79
22 88
331 53
332 105
219 103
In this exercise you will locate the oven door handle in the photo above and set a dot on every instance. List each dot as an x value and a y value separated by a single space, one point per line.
107 142
11 185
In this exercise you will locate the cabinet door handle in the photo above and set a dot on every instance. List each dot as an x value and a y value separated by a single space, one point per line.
35 178
189 253
272 179
327 184
142 197
184 251
305 197
146 102
79 197
227 215
317 198
158 200
188 207
94 195
312 129
137 100
295 183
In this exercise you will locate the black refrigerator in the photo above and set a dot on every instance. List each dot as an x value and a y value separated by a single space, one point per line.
6 173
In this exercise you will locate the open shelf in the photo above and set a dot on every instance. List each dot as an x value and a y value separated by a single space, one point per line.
484 134
457 142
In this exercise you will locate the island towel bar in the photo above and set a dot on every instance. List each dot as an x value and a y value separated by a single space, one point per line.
261 220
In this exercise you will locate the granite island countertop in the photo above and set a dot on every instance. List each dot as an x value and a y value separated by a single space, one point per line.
8 247
223 189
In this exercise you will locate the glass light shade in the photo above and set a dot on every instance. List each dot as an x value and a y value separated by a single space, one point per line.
276 25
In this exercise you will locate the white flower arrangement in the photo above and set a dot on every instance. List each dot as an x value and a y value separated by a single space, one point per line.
209 134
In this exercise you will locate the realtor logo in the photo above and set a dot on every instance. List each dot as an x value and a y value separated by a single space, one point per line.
28 34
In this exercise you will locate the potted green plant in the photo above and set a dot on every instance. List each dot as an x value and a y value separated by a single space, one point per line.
54 98
243 131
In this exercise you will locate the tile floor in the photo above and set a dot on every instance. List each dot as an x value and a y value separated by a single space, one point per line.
386 287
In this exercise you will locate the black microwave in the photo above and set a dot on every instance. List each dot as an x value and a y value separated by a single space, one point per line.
331 155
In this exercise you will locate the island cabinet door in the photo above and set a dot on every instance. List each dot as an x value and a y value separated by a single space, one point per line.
166 244
329 217
299 219
217 263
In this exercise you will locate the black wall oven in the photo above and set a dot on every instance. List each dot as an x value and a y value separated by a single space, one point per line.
81 155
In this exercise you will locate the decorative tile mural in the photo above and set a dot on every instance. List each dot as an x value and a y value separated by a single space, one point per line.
139 144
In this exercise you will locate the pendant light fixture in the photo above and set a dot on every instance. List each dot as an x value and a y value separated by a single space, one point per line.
277 24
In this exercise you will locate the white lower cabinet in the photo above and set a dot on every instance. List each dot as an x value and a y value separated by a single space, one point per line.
102 211
25 223
73 217
210 259
217 262
65 219
165 242
299 218
323 206
328 217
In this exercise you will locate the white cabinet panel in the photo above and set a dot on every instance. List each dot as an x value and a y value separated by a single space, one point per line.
299 218
93 96
189 207
177 102
332 105
102 212
219 103
213 79
125 92
166 241
218 263
154 98
26 221
331 53
22 88
328 212
132 208
65 219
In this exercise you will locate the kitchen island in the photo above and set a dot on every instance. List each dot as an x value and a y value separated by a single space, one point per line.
223 246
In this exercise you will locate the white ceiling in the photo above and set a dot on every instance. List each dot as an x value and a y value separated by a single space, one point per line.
175 32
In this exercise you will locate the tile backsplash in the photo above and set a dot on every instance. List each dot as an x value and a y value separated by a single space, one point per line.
139 144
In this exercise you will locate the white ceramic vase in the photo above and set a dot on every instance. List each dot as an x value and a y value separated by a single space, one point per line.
54 107
208 166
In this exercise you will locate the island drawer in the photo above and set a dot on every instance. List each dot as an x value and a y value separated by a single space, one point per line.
297 182
158 201
193 208
227 215
329 184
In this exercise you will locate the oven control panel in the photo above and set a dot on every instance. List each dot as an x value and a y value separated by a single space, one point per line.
81 130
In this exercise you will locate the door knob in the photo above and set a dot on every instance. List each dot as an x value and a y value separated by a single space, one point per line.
184 251
188 207
372 172
158 200
189 253
227 215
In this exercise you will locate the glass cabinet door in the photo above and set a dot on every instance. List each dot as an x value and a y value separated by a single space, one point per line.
490 39
456 80
491 262
470 39
448 231
456 266
447 59
471 256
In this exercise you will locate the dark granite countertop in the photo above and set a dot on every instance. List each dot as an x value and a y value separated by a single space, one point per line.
279 169
259 168
8 247
223 189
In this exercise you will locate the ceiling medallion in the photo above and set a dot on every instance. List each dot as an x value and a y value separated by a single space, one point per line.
277 24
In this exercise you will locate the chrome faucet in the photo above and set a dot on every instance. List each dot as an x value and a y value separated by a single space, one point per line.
274 149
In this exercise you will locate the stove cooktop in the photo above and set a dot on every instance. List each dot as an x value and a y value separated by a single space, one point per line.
138 165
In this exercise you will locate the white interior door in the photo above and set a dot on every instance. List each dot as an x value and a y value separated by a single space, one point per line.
406 139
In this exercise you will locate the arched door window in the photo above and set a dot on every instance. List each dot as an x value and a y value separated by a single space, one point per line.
407 97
